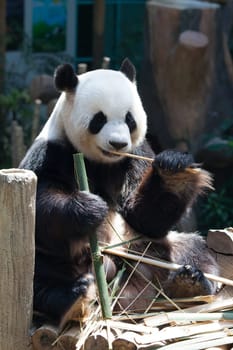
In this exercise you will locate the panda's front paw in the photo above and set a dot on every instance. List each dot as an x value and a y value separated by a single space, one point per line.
172 161
82 285
92 209
190 281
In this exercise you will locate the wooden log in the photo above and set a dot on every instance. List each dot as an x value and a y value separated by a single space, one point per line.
186 70
103 338
125 342
68 339
44 337
97 341
221 241
17 224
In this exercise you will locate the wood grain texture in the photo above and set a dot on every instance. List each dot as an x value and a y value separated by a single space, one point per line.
17 223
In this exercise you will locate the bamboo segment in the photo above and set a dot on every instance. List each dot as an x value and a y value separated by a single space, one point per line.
130 155
190 317
163 264
95 250
151 160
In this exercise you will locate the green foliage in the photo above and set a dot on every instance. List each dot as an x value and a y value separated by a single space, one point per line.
48 38
14 105
15 101
216 211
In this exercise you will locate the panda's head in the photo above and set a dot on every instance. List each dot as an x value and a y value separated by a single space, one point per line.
101 111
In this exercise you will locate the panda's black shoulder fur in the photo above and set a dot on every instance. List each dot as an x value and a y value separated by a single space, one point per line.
50 160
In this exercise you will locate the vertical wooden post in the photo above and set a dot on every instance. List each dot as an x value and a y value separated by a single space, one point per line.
98 32
2 42
17 224
18 148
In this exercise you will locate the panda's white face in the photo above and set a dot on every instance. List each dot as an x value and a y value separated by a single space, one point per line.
104 113
107 115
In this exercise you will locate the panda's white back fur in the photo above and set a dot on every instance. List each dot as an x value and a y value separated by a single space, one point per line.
107 91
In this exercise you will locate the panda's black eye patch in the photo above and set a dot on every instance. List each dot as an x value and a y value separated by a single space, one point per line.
130 122
97 123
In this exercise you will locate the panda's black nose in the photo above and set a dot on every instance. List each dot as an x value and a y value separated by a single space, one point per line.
118 145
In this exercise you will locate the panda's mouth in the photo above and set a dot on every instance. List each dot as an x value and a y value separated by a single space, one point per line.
110 154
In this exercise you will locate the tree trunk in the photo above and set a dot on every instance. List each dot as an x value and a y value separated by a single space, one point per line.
2 42
188 71
98 32
17 221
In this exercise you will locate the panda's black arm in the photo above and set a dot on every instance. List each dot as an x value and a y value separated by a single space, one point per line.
60 213
151 210
167 188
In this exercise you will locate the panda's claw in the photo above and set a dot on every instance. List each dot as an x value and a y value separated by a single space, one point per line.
190 274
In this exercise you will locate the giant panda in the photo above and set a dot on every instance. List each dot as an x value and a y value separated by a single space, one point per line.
97 113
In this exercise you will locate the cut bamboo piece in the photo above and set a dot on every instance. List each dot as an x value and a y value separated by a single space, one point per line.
201 343
133 327
212 307
178 332
130 155
183 317
162 264
147 159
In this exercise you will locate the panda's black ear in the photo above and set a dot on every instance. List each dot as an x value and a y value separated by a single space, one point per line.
128 69
65 78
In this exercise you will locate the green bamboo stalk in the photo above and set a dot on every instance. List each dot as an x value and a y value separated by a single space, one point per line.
97 258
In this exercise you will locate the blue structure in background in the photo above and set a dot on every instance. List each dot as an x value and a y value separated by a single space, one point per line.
66 26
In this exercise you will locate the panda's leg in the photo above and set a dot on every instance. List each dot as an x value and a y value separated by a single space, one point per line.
190 251
65 302
81 308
